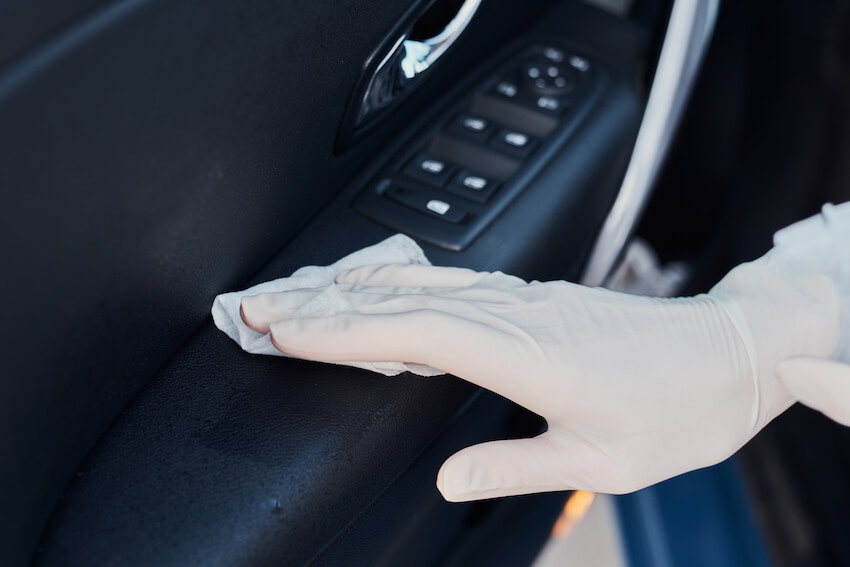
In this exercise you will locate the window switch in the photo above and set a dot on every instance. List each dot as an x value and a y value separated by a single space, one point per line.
514 142
424 204
472 127
472 186
426 168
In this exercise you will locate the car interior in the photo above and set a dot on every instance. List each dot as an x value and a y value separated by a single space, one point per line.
157 153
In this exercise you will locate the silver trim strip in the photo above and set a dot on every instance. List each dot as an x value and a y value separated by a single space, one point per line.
685 42
422 54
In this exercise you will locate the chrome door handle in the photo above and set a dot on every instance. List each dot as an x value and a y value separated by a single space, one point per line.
408 59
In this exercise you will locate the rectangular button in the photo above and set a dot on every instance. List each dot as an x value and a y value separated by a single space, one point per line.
515 139
472 127
506 89
549 103
474 182
579 63
514 142
429 169
474 124
553 54
472 186
424 204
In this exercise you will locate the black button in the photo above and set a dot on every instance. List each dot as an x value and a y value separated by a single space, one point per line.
516 139
558 56
579 63
550 104
472 127
472 186
429 169
553 54
506 89
474 124
514 142
424 204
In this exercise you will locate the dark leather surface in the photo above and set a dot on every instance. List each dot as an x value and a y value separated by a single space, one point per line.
231 459
26 23
152 154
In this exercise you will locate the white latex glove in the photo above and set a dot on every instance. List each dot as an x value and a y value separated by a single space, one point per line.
634 389
820 384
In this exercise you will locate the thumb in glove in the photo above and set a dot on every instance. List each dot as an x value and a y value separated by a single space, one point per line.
819 383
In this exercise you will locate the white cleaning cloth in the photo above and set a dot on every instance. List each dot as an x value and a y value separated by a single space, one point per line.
398 249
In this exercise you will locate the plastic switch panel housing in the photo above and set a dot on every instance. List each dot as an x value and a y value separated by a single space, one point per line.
459 173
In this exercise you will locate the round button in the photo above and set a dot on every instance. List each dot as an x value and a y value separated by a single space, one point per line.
545 78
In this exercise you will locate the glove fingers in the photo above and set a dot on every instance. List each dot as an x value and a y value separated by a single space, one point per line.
260 311
503 468
447 342
820 384
410 275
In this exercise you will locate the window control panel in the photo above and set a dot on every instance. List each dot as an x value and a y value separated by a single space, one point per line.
464 169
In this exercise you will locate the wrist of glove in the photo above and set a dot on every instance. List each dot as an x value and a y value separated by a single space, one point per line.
634 389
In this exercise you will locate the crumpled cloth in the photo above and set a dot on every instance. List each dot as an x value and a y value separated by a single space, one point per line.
398 249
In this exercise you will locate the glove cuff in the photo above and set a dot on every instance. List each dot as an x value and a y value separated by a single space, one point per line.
820 245
789 303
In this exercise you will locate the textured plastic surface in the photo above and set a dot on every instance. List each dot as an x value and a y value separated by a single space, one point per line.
521 140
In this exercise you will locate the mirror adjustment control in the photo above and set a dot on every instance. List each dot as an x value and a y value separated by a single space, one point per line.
543 77
424 204
426 168
473 186
556 55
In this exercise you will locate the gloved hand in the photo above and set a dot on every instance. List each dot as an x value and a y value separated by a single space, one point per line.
820 384
634 389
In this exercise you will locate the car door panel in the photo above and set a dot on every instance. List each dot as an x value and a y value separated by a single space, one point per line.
159 153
